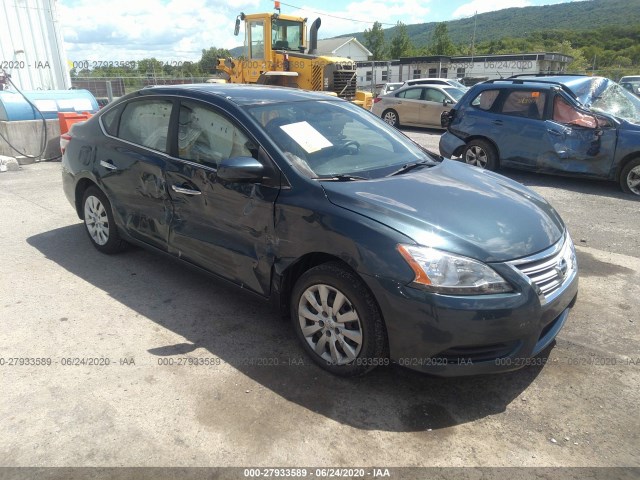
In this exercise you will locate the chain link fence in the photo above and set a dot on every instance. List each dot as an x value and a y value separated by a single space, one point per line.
108 88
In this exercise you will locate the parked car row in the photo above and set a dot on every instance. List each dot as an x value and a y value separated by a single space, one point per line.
374 248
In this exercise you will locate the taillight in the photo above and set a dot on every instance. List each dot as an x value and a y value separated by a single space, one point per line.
65 138
377 99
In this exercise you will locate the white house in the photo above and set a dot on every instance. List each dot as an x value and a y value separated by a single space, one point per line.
346 47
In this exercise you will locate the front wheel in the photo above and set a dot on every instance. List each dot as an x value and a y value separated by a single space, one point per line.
630 177
480 153
98 221
337 321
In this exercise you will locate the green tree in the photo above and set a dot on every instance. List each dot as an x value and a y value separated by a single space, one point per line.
400 44
441 43
579 64
150 67
374 41
209 60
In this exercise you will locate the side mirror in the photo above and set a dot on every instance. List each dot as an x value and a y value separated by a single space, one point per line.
446 102
241 170
237 29
446 118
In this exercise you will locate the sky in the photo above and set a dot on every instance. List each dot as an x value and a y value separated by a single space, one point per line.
178 30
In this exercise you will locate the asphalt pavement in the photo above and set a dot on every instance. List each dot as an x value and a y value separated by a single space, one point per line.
135 360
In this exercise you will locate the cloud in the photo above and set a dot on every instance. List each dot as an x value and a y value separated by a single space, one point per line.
121 30
134 29
483 6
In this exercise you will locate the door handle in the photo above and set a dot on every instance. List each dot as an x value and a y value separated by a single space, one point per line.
185 191
108 165
497 122
555 132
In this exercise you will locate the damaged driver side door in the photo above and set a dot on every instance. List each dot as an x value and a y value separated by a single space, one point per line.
583 143
225 227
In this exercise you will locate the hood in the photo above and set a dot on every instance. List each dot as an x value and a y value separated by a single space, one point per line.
587 89
457 208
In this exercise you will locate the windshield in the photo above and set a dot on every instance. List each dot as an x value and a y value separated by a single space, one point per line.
615 100
286 34
455 93
325 139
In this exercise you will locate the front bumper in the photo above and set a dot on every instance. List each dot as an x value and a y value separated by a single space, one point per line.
468 335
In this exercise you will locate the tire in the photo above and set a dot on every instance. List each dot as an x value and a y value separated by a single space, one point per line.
391 117
481 154
630 177
98 222
349 342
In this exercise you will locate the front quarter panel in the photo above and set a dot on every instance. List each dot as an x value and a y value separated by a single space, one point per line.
307 223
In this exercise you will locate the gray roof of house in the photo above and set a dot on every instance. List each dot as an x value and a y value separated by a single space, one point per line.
330 45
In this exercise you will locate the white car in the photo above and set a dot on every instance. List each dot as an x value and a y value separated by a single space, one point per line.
437 81
631 83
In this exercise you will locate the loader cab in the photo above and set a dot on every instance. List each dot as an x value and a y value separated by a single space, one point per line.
269 32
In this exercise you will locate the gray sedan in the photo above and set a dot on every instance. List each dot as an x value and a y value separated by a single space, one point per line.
416 105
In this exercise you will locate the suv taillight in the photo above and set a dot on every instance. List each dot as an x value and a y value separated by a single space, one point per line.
65 138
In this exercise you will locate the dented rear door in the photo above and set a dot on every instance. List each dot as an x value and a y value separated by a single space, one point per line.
130 167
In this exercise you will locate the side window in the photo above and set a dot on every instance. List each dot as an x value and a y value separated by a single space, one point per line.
146 123
110 121
433 95
256 33
565 113
411 94
486 99
207 137
525 103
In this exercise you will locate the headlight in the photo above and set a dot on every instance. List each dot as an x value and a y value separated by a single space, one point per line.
443 272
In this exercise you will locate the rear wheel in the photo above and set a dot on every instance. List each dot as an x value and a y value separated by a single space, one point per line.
391 117
480 153
630 177
337 320
98 221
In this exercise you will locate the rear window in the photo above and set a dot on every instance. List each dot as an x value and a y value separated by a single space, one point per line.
146 123
524 103
110 121
411 94
485 100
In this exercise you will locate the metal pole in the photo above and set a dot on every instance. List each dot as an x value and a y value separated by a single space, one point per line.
109 91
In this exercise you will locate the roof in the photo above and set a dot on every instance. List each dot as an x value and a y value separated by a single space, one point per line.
240 94
330 45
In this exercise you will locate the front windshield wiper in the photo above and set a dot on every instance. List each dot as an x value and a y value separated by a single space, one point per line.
342 178
411 166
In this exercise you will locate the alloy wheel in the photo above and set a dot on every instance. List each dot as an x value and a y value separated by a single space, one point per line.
330 324
633 180
96 219
475 155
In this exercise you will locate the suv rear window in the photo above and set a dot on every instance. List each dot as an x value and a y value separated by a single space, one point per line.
524 103
485 100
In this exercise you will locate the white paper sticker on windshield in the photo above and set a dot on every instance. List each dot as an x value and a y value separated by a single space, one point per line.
310 139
